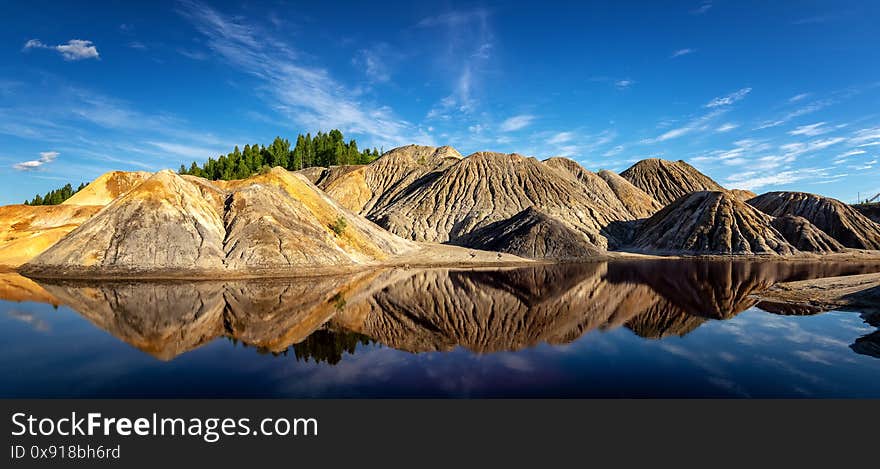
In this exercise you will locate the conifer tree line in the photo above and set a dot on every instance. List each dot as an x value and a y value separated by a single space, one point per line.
324 149
328 149
55 197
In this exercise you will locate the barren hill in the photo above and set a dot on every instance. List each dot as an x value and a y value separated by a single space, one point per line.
666 181
711 223
872 211
367 189
804 235
27 230
485 188
835 218
160 225
531 234
743 194
275 223
107 187
637 201
280 220
595 185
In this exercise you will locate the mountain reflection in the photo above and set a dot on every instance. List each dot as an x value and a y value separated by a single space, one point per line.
421 310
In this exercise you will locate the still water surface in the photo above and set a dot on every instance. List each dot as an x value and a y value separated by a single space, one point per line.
612 329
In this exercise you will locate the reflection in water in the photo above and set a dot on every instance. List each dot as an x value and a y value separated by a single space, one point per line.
438 309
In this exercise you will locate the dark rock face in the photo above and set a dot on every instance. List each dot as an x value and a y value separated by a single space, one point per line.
872 211
804 236
531 234
666 181
711 223
835 218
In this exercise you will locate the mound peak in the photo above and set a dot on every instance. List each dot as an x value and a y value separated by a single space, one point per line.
107 187
367 189
637 201
532 234
711 222
162 224
835 218
666 180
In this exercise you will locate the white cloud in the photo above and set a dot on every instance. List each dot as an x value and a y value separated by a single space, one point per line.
46 157
751 180
798 97
726 127
799 148
681 52
851 153
516 122
729 99
561 137
866 137
75 49
811 130
624 84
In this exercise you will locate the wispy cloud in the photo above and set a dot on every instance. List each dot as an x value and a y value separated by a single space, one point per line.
192 54
374 62
798 97
695 124
751 180
811 130
726 127
624 84
681 52
702 9
468 42
802 111
75 49
800 148
46 157
516 123
561 137
307 95
729 99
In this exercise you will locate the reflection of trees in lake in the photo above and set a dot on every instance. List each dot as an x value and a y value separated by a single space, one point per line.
327 346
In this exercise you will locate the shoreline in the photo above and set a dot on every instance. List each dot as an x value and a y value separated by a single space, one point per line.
412 262
858 292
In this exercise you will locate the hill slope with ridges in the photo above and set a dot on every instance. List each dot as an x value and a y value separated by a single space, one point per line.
711 223
666 181
835 218
485 188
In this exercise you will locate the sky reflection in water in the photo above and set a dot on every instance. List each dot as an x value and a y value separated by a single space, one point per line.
628 329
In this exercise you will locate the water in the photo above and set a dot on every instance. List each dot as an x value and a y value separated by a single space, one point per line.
620 329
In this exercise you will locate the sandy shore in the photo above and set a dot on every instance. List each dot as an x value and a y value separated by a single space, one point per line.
853 291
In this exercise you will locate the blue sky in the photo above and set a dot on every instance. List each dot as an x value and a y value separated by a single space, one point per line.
758 95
